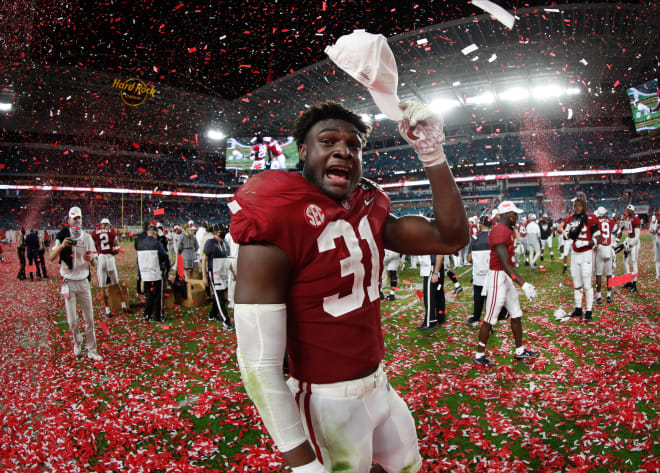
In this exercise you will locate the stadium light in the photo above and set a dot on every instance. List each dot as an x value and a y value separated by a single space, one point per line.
482 99
5 107
514 94
573 91
548 91
443 105
215 135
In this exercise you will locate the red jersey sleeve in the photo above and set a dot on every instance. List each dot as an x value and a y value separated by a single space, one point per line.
500 234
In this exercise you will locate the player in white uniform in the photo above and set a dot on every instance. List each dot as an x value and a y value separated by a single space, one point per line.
604 253
654 228
632 225
107 245
584 234
533 240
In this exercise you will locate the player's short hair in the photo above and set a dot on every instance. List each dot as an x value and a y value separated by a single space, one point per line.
326 111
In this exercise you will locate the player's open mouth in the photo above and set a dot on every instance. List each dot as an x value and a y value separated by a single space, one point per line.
338 175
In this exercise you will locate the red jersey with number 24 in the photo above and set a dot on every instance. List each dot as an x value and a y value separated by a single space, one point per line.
335 251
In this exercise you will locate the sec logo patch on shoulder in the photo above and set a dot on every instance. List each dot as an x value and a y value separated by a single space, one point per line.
314 215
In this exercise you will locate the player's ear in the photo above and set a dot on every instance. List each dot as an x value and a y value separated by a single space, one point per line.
302 152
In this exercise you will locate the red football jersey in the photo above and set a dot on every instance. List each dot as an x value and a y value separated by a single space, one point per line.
522 229
500 234
632 223
105 240
581 243
335 251
607 228
259 151
275 149
474 230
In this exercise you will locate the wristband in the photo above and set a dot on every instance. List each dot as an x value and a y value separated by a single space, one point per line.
433 159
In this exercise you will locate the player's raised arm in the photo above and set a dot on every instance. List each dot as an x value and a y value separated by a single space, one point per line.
448 231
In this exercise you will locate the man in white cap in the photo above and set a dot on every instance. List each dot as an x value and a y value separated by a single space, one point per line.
604 253
500 285
107 245
75 250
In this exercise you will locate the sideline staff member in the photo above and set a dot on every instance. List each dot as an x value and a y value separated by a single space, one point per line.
76 253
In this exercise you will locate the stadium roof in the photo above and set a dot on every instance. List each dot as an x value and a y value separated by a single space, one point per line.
250 68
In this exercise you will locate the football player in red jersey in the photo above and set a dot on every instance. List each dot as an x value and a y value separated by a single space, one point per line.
583 235
502 295
275 154
258 155
632 225
474 227
105 239
323 234
604 253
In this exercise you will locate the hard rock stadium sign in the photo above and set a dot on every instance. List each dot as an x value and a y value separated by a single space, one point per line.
133 92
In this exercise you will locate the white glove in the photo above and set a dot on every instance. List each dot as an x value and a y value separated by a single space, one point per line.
423 131
529 290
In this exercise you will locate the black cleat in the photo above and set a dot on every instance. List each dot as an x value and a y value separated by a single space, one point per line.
609 299
633 287
458 290
563 271
577 312
526 355
473 321
587 316
483 361
598 301
426 328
